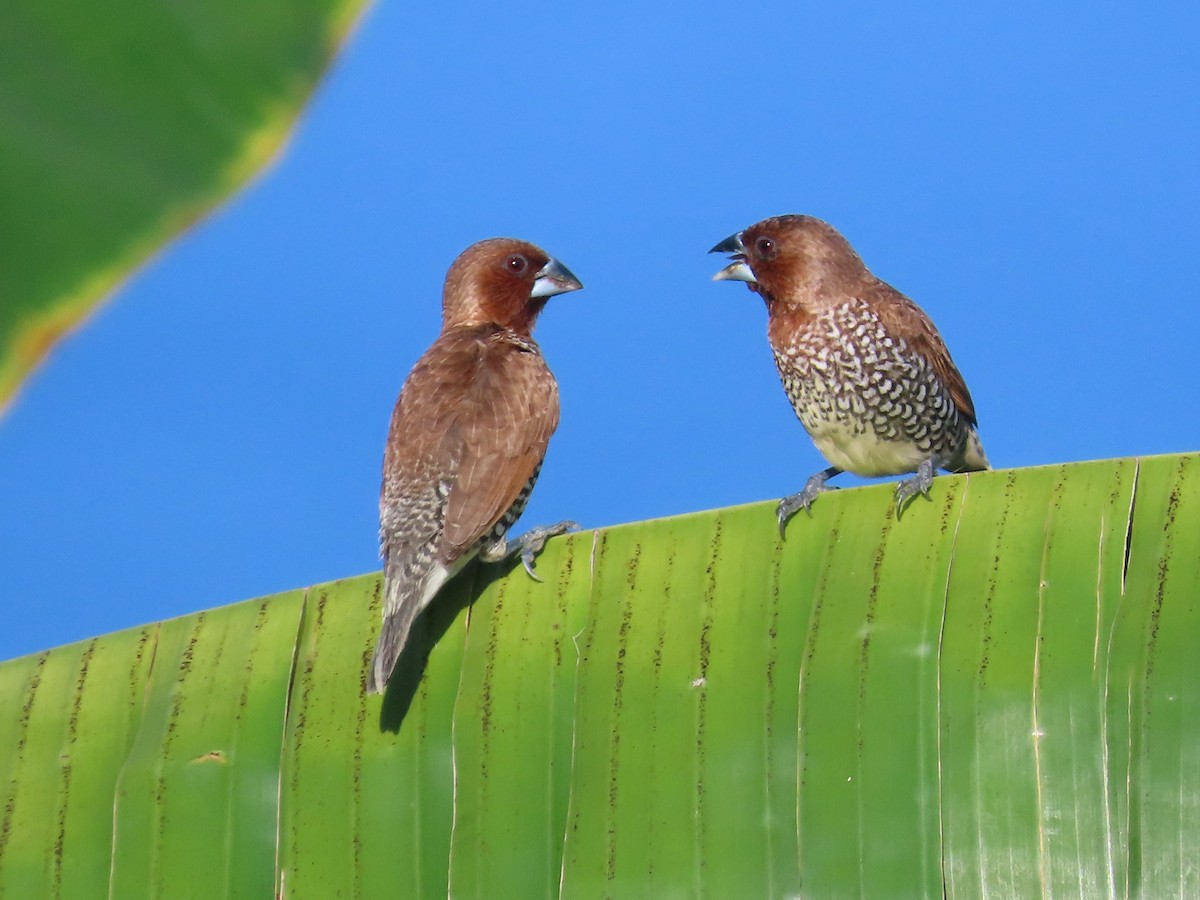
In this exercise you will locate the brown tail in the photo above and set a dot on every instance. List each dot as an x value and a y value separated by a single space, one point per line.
405 594
401 603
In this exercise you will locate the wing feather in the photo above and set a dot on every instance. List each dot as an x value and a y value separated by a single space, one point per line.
473 421
903 318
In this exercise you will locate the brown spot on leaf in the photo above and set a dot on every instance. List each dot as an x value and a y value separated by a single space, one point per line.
212 756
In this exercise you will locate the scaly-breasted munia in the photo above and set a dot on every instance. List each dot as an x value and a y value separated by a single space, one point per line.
865 370
468 435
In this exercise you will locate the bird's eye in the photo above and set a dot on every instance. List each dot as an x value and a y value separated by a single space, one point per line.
764 248
516 264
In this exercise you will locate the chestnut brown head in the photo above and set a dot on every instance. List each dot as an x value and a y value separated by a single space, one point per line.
503 281
792 260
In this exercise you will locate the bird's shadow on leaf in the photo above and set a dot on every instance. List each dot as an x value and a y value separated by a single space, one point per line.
428 629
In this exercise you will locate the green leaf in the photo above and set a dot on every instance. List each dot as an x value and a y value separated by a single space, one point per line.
120 126
993 695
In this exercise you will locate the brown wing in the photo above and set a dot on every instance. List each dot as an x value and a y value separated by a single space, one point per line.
905 319
475 415
510 411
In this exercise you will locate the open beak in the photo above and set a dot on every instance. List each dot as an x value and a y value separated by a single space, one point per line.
737 270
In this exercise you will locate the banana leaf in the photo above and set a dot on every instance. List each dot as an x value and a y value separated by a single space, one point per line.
996 695
120 126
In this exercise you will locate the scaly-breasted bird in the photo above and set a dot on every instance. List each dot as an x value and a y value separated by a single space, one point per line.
865 370
468 435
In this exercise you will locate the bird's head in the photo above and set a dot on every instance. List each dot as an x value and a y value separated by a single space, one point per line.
503 281
791 260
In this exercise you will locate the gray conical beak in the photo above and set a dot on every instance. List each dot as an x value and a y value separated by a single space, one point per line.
731 244
554 278
737 270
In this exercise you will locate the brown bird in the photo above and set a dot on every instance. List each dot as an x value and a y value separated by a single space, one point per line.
468 435
865 370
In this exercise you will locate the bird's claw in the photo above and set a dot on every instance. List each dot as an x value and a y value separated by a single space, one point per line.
792 504
530 544
803 499
527 561
919 483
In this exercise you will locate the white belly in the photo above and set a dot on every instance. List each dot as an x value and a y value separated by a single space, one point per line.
864 452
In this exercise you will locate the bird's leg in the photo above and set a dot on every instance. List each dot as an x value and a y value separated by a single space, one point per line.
803 500
527 546
920 483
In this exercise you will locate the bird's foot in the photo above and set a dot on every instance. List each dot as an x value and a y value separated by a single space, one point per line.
530 544
920 483
803 499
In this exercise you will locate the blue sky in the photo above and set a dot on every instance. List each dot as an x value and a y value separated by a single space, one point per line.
1026 172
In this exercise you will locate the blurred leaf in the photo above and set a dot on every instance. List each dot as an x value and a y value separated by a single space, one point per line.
120 126
994 695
